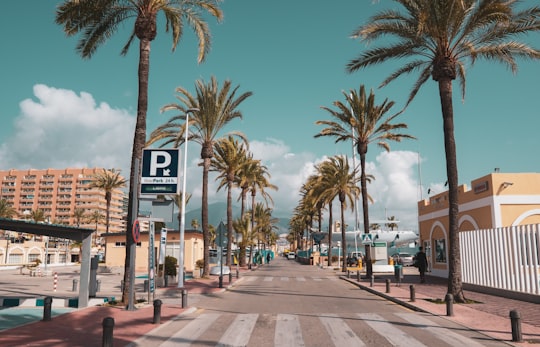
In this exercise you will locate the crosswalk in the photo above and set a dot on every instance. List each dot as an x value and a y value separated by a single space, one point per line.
286 279
328 329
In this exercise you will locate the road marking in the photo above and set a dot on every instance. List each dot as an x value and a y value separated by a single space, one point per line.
288 331
251 278
301 279
285 278
339 331
389 331
316 279
444 334
239 332
268 278
191 332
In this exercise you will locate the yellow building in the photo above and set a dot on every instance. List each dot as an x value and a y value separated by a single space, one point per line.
495 200
58 192
116 249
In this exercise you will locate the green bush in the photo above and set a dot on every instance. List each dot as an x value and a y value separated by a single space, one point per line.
170 265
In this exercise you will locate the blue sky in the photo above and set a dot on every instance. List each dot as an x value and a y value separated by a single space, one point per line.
59 110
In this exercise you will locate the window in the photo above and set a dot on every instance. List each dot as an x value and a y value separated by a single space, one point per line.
440 251
32 257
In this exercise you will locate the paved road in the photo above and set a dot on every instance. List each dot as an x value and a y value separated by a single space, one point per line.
287 304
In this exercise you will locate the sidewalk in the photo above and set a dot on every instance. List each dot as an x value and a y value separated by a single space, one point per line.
83 327
488 315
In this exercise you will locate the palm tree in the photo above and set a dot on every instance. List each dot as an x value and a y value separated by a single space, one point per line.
345 186
438 39
99 20
229 155
95 217
38 216
216 108
195 224
78 215
6 209
108 181
392 225
265 223
242 226
360 120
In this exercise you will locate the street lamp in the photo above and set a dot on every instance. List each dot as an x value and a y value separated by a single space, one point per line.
183 220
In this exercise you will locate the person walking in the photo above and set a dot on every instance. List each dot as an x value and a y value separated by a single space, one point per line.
268 257
420 261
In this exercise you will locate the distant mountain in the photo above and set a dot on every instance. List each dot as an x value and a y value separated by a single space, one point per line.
217 212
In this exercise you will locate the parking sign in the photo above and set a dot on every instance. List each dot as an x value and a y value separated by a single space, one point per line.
160 171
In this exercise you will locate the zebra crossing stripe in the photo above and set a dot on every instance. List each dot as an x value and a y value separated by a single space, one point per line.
251 279
340 333
288 331
285 279
444 334
301 279
268 278
239 332
317 279
191 332
389 331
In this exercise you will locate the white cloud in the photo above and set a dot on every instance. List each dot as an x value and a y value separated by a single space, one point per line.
62 129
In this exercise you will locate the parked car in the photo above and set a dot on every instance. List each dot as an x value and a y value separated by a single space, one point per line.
405 259
291 255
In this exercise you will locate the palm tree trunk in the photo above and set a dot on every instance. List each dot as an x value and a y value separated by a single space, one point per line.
229 223
330 222
343 239
204 217
455 285
139 140
365 211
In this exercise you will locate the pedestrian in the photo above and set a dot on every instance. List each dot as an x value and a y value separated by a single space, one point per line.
268 258
420 261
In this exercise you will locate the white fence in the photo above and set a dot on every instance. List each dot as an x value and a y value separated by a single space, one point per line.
503 258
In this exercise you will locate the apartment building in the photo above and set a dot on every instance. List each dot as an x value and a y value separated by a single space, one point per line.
58 193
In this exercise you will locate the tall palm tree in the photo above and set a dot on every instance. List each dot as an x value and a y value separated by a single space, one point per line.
98 20
363 122
38 216
345 186
6 209
195 224
108 181
229 155
438 39
216 108
265 223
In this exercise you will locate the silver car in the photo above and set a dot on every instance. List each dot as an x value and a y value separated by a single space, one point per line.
405 259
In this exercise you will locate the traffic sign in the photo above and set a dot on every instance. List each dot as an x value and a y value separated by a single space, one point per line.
160 171
367 239
136 231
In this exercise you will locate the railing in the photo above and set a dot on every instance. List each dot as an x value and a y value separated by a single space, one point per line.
504 258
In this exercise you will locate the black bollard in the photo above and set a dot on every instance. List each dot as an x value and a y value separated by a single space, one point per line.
75 284
413 293
237 274
357 276
47 303
157 312
220 281
372 280
184 298
515 321
449 298
230 277
388 285
108 327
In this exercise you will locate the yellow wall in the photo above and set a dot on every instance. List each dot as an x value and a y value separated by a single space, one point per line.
495 200
115 255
